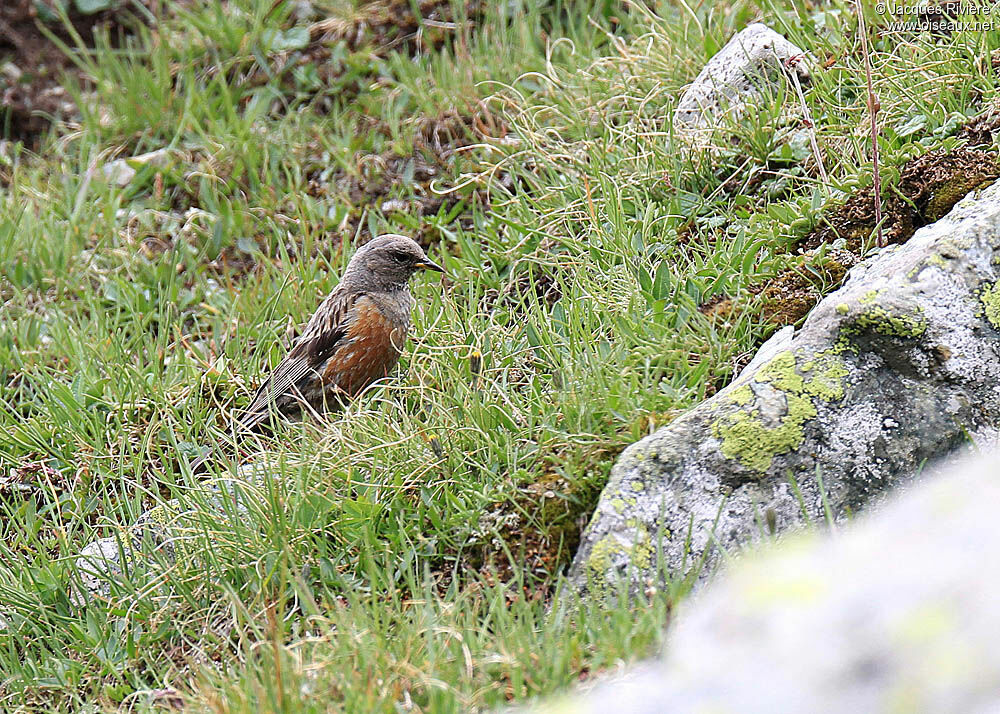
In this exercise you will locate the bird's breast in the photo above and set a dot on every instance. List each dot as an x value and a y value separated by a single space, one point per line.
371 349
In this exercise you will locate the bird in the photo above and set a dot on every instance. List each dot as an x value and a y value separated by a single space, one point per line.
354 338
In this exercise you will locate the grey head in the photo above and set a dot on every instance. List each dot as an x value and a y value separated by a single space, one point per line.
387 263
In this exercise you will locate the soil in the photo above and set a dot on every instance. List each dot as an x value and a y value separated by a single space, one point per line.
33 68
374 181
404 183
376 28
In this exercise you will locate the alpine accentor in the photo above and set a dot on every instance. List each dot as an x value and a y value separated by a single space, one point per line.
354 338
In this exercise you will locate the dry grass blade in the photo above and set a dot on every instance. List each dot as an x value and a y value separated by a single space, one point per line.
873 110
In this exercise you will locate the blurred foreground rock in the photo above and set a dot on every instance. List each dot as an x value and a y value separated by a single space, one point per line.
898 613
755 62
898 367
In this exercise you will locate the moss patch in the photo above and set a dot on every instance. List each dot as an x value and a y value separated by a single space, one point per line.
742 395
980 130
744 435
937 260
929 186
170 523
791 294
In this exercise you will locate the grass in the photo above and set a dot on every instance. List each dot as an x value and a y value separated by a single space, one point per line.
405 554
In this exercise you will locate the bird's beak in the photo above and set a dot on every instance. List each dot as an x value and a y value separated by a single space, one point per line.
428 264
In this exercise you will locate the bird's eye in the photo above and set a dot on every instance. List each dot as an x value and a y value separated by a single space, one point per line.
399 256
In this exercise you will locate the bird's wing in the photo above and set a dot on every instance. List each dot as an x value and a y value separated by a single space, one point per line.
324 332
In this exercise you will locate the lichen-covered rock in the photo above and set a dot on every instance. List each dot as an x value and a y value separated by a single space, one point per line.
899 612
898 367
753 60
99 564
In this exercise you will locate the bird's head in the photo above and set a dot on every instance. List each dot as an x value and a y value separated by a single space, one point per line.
387 263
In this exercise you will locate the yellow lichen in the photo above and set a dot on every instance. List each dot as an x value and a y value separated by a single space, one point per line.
989 296
744 434
608 549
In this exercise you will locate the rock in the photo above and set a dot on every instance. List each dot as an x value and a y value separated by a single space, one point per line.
896 613
753 60
98 565
304 11
161 534
393 205
121 171
775 344
898 367
11 71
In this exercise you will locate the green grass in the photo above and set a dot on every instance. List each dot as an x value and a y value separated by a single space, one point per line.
405 554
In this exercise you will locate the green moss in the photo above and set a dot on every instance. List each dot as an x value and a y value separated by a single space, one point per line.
843 308
744 435
600 559
781 373
990 298
820 376
171 523
618 504
934 259
950 192
642 554
161 515
825 374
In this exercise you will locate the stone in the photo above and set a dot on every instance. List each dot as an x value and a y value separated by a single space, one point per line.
160 534
754 61
121 171
896 612
11 71
898 367
98 565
